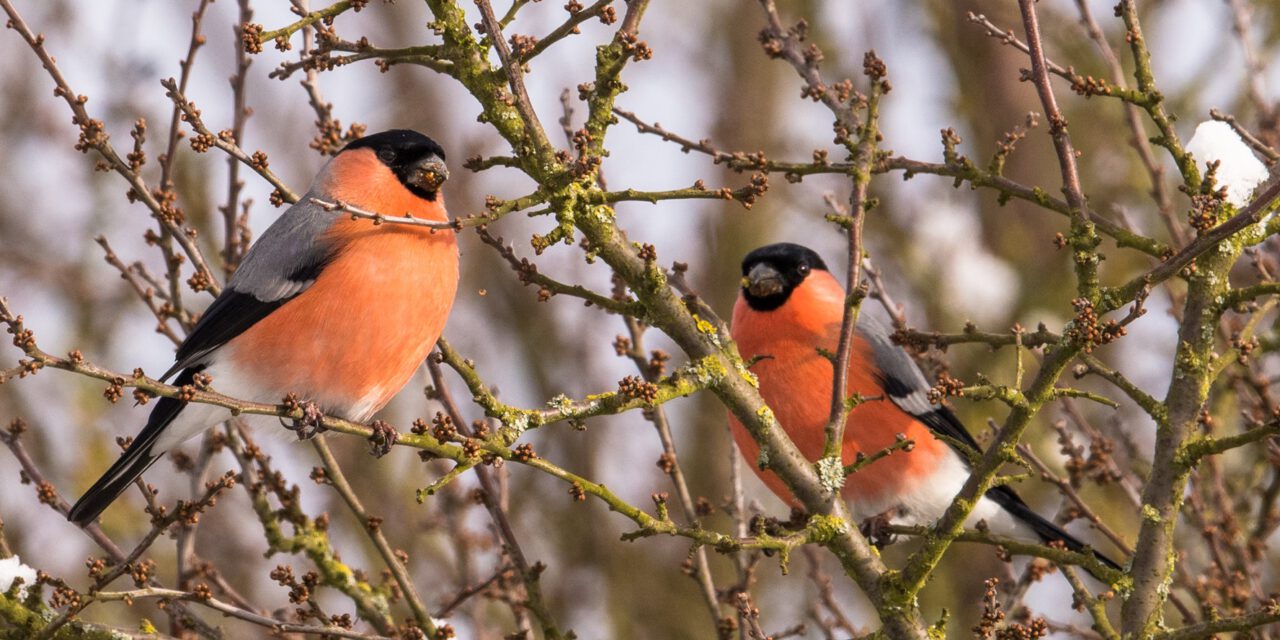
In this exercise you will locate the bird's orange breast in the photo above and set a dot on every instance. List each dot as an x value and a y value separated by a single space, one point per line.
355 337
796 380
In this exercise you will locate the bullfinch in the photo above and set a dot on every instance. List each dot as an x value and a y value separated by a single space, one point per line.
789 309
337 310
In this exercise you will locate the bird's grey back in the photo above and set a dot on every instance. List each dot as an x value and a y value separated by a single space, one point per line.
902 378
289 255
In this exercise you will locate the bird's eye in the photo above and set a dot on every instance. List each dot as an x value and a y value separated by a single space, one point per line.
804 269
387 155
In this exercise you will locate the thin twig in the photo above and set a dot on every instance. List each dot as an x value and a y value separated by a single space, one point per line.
338 480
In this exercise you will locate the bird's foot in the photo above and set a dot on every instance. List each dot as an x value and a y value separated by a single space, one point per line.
310 423
384 436
876 527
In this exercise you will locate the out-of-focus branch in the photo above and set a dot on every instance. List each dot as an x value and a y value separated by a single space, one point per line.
961 168
1255 65
548 287
1133 118
1087 86
336 479
1264 201
226 142
1096 607
229 609
649 365
235 235
1154 103
162 312
1211 628
569 27
117 555
93 136
328 13
1019 548
1084 238
923 340
863 154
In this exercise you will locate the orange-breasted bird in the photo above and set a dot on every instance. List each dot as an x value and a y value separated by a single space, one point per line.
337 310
790 307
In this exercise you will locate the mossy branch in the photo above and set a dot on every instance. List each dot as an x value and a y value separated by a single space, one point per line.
328 13
1064 557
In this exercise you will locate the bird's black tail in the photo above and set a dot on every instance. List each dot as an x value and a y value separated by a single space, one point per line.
1048 531
136 459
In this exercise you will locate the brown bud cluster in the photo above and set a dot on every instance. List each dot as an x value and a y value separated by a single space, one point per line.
1088 331
16 427
631 45
658 362
522 46
443 427
1208 207
419 427
1089 86
138 156
873 66
249 34
622 345
199 281
202 142
259 161
299 592
667 463
141 572
64 596
470 447
331 139
946 387
114 391
525 452
93 133
384 437
636 388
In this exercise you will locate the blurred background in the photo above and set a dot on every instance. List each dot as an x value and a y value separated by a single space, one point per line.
948 256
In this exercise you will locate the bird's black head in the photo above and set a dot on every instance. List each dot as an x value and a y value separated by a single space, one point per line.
772 272
418 161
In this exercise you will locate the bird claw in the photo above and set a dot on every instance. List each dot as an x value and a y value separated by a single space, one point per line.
384 436
875 529
309 425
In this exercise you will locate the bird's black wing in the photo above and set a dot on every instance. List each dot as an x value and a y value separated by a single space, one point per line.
905 385
230 315
140 455
282 264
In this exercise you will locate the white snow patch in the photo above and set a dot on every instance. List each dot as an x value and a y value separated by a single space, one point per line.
1240 171
11 568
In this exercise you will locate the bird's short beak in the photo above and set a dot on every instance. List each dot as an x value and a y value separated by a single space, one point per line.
763 281
429 173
